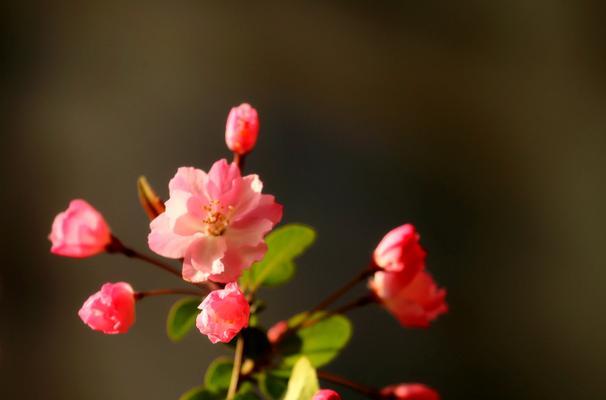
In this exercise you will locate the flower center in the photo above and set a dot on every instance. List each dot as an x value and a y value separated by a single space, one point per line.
217 217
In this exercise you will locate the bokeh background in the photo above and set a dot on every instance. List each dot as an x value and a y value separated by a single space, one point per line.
480 121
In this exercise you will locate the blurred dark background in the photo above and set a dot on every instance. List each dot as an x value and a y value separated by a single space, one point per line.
481 122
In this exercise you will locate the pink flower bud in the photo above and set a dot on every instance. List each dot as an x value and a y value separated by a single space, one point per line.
416 303
276 332
111 310
326 394
409 391
400 251
79 231
242 129
224 313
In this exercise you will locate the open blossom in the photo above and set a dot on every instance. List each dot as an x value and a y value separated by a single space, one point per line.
400 251
80 231
111 310
224 313
414 303
242 129
409 391
326 394
216 222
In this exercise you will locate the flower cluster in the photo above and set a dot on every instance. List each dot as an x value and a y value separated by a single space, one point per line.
401 282
219 225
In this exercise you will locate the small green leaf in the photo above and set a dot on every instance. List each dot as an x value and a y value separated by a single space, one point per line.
277 267
246 392
303 382
218 374
280 274
272 386
182 317
200 393
320 342
247 396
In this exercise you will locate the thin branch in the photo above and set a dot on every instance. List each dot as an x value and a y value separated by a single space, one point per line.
239 160
235 372
359 302
116 246
153 261
164 292
365 273
358 387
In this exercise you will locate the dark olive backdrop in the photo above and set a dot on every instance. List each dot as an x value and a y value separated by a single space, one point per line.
480 121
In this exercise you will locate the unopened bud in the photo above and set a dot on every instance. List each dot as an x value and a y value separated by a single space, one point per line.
409 391
150 201
326 394
242 129
276 332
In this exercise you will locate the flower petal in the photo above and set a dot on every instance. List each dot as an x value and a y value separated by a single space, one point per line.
237 259
243 196
190 180
164 241
203 258
221 178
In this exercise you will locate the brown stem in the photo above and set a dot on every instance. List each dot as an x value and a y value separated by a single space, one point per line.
163 292
143 257
240 160
235 372
341 381
309 321
360 302
365 273
116 246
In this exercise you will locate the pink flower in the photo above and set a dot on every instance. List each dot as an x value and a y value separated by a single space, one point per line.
409 391
216 222
400 251
80 231
242 129
277 332
326 394
111 310
224 313
416 303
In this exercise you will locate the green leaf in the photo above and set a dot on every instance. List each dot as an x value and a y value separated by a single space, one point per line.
246 392
303 382
272 386
277 267
200 393
247 396
281 274
182 317
320 342
218 374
